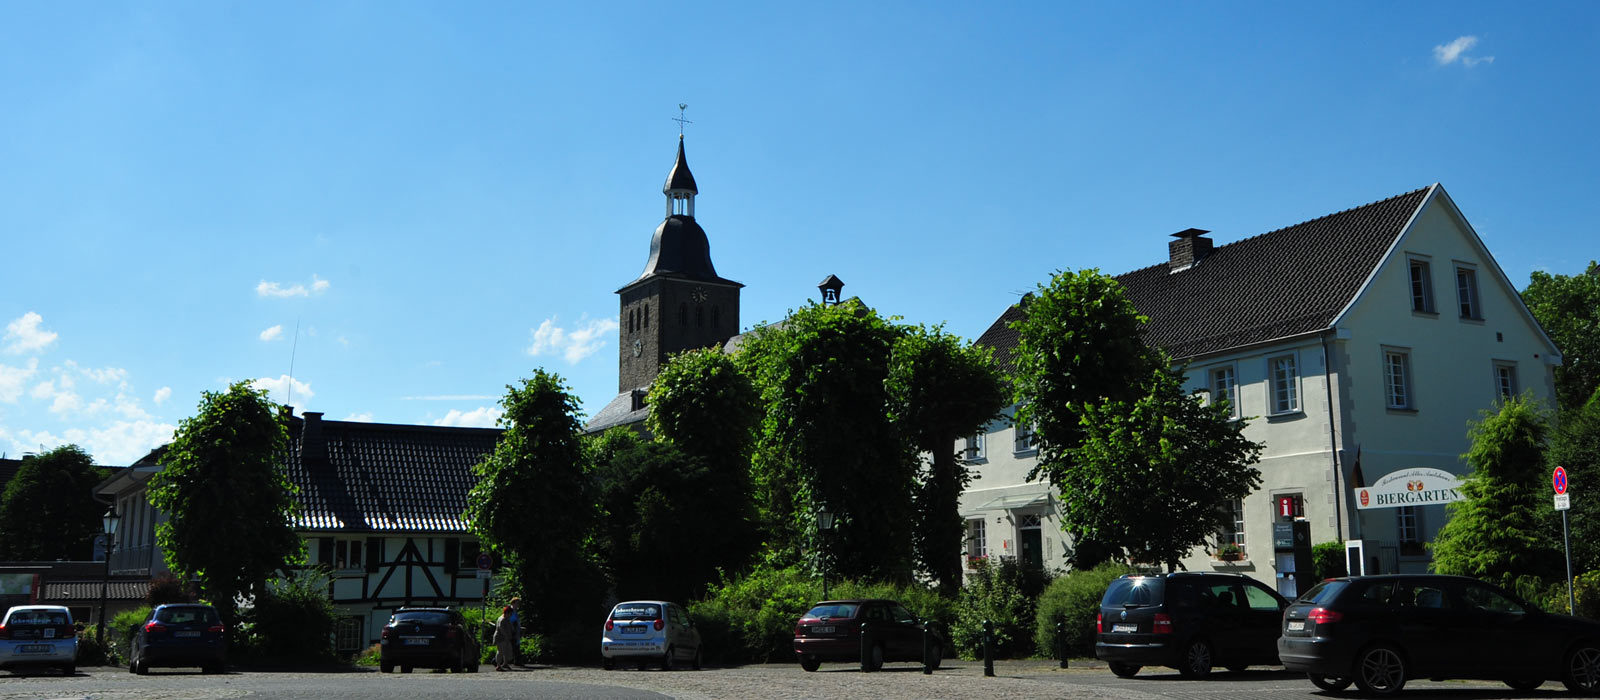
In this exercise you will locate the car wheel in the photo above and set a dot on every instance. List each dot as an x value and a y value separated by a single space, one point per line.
386 667
1196 659
666 659
1334 683
609 664
875 660
141 667
1124 670
1524 683
69 670
1581 673
405 669
810 663
937 652
1380 670
696 663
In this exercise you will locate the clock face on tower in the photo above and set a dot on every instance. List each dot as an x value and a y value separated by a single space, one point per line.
638 347
698 294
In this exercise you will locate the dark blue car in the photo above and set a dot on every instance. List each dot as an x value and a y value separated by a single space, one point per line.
179 636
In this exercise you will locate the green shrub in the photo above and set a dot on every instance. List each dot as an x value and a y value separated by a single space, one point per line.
120 631
369 656
751 619
293 623
1073 599
1328 560
94 652
1005 594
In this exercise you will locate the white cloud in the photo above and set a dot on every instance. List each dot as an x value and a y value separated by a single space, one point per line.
480 417
162 395
277 389
23 335
1446 54
12 379
278 291
575 345
360 417
119 443
273 333
99 376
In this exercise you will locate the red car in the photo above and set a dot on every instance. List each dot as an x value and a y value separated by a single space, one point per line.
831 631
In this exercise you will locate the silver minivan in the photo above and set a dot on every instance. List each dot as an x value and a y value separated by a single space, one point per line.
649 631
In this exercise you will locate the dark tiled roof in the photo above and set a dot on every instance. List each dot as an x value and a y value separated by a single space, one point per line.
374 477
64 591
619 411
1279 284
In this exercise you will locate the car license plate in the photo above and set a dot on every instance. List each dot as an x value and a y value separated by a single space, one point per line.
1297 625
187 633
1124 628
35 649
417 641
633 629
823 630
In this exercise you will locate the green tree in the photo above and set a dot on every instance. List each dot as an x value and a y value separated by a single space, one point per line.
229 502
939 390
1575 446
1569 310
535 504
826 438
1494 533
1150 476
48 509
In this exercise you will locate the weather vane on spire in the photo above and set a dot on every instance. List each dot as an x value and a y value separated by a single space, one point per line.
680 120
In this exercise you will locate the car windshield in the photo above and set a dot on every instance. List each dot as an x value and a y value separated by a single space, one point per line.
38 617
421 617
636 611
182 615
833 610
1323 592
1134 592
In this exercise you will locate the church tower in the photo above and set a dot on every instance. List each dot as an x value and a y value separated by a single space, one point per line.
679 302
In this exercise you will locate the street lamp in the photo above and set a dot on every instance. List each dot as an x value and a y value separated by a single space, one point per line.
824 525
109 523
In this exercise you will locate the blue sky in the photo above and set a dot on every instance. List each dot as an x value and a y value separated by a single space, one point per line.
442 197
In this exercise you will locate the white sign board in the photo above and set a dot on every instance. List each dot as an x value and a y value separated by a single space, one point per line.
483 574
1418 486
1563 501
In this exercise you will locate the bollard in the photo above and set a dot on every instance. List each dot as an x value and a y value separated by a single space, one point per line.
988 649
1061 642
927 651
866 651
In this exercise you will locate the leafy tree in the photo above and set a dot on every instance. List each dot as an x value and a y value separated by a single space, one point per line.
826 438
229 502
940 389
48 510
534 504
1576 448
1494 532
1569 310
1150 476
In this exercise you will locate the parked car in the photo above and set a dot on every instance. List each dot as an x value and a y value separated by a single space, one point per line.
39 636
1192 621
428 638
1380 631
650 630
831 631
178 635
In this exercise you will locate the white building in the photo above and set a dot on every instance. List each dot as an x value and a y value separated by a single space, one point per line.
1359 345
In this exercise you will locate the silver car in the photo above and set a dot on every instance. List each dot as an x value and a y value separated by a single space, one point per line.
39 635
650 631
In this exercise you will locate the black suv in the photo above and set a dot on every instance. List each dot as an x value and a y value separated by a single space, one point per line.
1190 621
430 638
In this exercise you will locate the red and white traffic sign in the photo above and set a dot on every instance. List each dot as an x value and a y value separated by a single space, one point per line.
1559 480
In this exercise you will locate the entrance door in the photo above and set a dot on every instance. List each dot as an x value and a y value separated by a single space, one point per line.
1030 538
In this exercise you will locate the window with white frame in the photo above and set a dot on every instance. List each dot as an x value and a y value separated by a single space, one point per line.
977 548
347 553
974 447
1233 533
1505 379
1408 529
1225 387
1421 286
1397 378
1467 293
1024 438
1284 375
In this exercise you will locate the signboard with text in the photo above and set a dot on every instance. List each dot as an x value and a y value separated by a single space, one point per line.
1417 486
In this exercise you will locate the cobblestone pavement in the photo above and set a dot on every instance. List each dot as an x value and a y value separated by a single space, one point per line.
1015 680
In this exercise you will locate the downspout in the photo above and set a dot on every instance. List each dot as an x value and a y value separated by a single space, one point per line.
1333 438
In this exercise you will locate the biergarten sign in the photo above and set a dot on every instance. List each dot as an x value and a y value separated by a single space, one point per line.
1418 486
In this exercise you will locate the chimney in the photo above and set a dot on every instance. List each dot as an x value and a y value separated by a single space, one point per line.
313 448
1190 247
636 399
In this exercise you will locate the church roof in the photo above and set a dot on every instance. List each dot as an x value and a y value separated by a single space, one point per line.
618 411
370 477
680 178
1283 283
679 249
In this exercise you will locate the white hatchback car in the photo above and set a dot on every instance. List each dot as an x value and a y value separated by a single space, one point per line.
39 635
650 630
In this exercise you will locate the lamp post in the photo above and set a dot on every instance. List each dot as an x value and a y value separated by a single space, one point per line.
109 522
824 526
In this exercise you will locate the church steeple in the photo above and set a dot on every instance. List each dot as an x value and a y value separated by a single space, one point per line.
680 188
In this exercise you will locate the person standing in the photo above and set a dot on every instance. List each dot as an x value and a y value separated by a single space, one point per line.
516 627
505 639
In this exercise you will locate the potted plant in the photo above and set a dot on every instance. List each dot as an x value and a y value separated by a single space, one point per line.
1230 552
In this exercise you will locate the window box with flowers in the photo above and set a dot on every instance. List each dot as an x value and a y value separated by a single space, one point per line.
977 561
1230 552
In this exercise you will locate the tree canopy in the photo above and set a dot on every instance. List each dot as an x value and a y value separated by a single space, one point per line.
229 502
1569 309
48 510
1575 446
